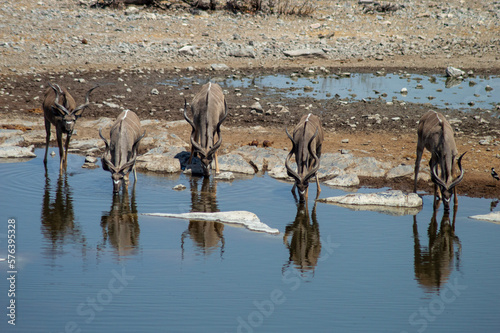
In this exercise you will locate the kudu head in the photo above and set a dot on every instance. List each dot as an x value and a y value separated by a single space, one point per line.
119 174
302 181
65 111
446 186
206 155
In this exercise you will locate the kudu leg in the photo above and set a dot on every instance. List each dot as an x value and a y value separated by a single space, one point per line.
318 191
191 156
217 171
417 167
61 150
47 140
66 148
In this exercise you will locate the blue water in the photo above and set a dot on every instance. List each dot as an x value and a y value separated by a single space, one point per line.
437 90
88 262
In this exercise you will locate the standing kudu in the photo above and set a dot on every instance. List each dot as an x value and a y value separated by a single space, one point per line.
59 109
436 135
307 141
121 152
209 109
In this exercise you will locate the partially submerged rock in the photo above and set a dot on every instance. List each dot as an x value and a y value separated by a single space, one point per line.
491 217
247 219
17 152
388 210
393 198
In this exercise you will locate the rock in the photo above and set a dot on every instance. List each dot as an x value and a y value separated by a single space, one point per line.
86 145
17 152
367 167
111 105
247 52
262 159
279 172
257 107
219 67
90 159
130 10
404 91
305 53
491 217
235 163
247 219
336 160
158 163
400 171
224 176
454 72
344 180
486 141
179 187
188 49
13 141
394 198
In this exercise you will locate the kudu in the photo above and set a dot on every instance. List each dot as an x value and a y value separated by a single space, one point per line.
60 110
209 109
121 152
307 141
304 247
433 263
436 135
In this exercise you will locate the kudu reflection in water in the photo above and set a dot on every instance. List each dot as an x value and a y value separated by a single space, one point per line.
120 226
305 245
58 216
434 263
207 236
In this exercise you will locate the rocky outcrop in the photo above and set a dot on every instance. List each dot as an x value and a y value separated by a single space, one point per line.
393 198
248 219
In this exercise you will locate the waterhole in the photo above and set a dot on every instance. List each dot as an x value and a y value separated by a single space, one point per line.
89 261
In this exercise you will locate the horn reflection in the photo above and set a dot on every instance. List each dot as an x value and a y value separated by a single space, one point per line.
58 216
305 245
434 263
120 226
206 236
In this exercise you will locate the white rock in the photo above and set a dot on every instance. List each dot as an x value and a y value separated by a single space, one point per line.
279 172
179 187
344 180
454 72
491 217
188 49
305 53
247 219
393 198
400 171
158 163
224 176
16 152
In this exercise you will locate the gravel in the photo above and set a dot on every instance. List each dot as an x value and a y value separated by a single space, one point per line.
42 35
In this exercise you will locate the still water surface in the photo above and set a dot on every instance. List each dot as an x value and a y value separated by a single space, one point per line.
437 90
89 261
